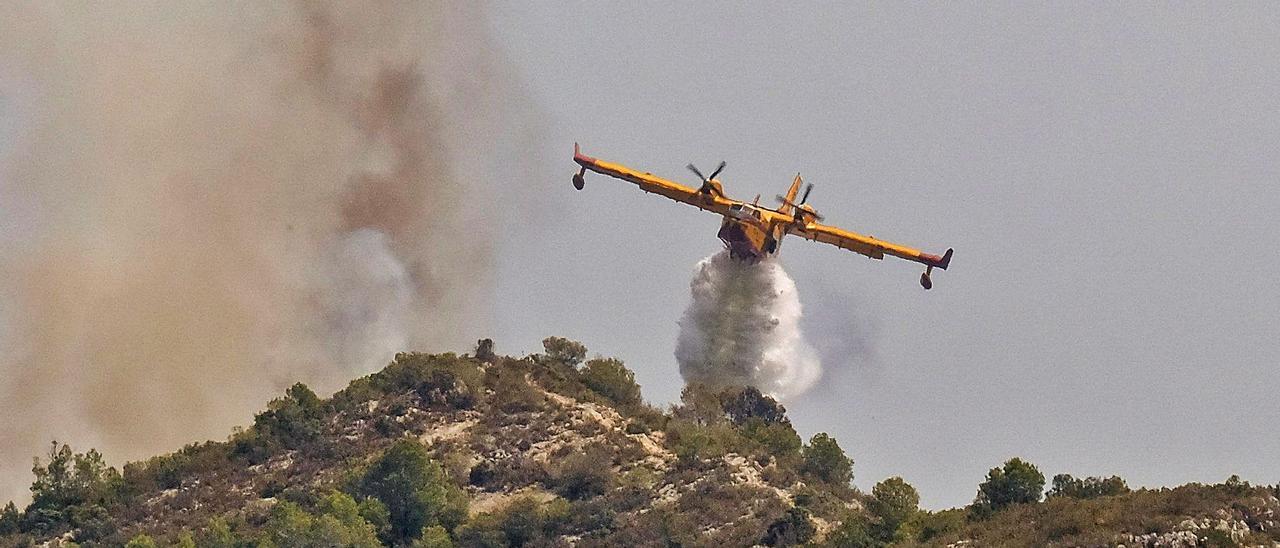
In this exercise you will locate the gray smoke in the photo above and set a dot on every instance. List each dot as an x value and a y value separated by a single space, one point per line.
742 328
204 203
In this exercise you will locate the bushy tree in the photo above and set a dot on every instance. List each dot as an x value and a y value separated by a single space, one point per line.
442 390
337 523
1236 486
141 541
693 444
186 540
793 529
778 438
585 474
71 490
524 522
853 532
611 379
893 502
292 421
564 351
375 512
742 404
700 404
484 351
1064 485
218 534
418 372
936 524
825 461
1018 482
415 491
433 537
762 419
512 391
10 519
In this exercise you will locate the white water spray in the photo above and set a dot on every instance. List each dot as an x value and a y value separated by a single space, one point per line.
742 328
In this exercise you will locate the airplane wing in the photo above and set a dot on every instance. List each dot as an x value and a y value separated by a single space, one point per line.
866 245
657 185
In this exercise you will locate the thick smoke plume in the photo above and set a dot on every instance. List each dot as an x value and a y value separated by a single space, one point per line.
205 202
742 328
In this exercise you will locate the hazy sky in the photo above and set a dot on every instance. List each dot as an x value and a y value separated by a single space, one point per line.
1107 173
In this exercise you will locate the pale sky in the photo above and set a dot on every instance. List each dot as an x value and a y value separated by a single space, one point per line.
1107 173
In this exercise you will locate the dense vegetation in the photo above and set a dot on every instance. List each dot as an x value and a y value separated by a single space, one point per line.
557 449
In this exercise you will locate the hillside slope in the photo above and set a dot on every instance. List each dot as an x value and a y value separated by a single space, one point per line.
552 450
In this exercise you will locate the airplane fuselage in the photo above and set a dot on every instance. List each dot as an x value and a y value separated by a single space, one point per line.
748 235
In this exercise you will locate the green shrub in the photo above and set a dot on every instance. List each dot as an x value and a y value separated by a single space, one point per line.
337 523
413 371
484 351
778 439
825 461
292 421
611 379
70 490
742 404
141 541
524 521
218 534
720 501
414 490
169 471
91 522
10 519
1236 486
792 529
695 445
935 524
564 351
512 393
1064 485
441 390
893 502
1215 538
700 404
186 540
853 532
585 474
1019 482
433 537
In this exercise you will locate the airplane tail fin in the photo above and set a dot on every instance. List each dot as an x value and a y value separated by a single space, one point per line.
792 192
931 262
946 259
934 261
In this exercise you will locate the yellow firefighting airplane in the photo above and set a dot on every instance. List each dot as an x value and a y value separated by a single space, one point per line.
752 231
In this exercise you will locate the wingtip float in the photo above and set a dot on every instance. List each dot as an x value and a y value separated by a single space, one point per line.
751 231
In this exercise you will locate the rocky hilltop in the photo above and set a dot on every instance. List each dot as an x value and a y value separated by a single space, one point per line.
556 450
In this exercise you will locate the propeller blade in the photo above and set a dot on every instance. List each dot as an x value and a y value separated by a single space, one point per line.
696 172
717 171
798 212
807 190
